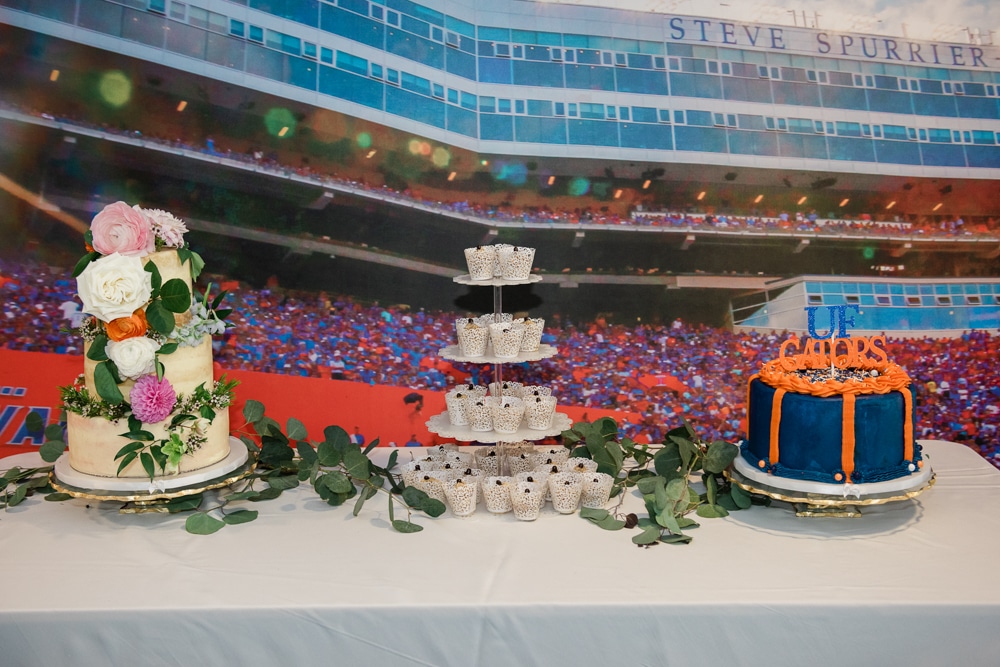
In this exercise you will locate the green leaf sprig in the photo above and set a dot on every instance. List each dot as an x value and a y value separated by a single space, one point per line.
662 474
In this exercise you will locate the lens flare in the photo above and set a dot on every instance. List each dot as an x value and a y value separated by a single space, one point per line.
115 88
578 186
279 122
364 140
441 157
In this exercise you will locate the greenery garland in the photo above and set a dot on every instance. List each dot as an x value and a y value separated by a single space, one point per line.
339 471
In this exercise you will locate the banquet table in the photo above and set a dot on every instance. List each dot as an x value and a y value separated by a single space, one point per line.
908 583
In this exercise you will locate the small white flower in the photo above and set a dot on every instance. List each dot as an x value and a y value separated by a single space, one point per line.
134 357
201 426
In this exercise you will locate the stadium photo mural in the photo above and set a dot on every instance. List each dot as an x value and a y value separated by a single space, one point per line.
695 196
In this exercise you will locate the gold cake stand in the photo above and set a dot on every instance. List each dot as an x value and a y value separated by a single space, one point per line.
808 504
157 496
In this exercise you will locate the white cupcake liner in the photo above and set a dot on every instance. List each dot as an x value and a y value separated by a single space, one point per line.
506 338
527 499
533 329
461 495
481 261
596 489
496 494
565 489
507 413
473 339
539 411
514 262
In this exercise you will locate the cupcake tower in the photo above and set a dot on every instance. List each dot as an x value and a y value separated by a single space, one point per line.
503 412
538 475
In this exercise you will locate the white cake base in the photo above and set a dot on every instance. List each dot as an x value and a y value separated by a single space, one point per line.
65 474
798 490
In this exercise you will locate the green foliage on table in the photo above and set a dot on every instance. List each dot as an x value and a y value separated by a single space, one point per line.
337 469
662 474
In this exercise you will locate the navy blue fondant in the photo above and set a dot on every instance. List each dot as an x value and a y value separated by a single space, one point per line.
810 436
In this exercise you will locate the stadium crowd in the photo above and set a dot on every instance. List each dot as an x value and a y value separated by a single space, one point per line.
800 222
665 373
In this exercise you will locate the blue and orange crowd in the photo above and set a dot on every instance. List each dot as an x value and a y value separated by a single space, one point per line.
665 373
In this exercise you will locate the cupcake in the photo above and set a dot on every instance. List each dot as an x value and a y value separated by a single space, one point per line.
506 389
488 460
538 412
455 401
496 494
577 464
507 413
472 338
481 261
565 489
479 414
527 499
461 495
506 338
432 486
596 489
533 327
515 262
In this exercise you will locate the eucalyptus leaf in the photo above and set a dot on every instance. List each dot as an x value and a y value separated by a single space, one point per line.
711 488
107 388
16 498
336 481
413 496
185 503
295 429
275 453
175 296
432 507
687 522
336 436
51 450
284 482
668 521
356 463
328 454
711 511
647 536
676 538
202 524
306 452
34 422
159 318
393 455
253 410
270 493
56 497
648 484
611 523
740 496
239 516
248 494
667 460
719 455
676 489
594 514
406 526
726 500
359 503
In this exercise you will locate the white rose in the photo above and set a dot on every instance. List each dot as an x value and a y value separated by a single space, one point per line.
201 426
114 286
134 357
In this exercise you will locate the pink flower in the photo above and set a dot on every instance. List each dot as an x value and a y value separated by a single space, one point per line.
152 400
122 229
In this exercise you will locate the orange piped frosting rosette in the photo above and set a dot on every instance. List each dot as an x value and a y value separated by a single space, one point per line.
127 327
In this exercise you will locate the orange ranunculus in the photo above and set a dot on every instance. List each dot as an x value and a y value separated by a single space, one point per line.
127 327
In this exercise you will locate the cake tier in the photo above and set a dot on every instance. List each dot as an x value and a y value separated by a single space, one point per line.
800 436
186 368
94 441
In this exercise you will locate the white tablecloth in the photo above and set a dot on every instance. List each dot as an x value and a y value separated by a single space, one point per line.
911 583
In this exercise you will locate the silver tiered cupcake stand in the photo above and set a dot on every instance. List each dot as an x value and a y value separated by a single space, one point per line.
441 425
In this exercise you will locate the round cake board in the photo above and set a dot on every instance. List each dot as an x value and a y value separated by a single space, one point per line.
816 499
141 490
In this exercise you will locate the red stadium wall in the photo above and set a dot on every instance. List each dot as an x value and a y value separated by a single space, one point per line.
30 380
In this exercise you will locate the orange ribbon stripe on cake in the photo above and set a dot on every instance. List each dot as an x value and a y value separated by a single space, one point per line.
907 425
775 424
847 449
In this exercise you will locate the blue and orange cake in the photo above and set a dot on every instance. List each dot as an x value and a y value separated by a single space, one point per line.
837 412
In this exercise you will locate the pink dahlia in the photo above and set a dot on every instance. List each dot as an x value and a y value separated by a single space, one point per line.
152 400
